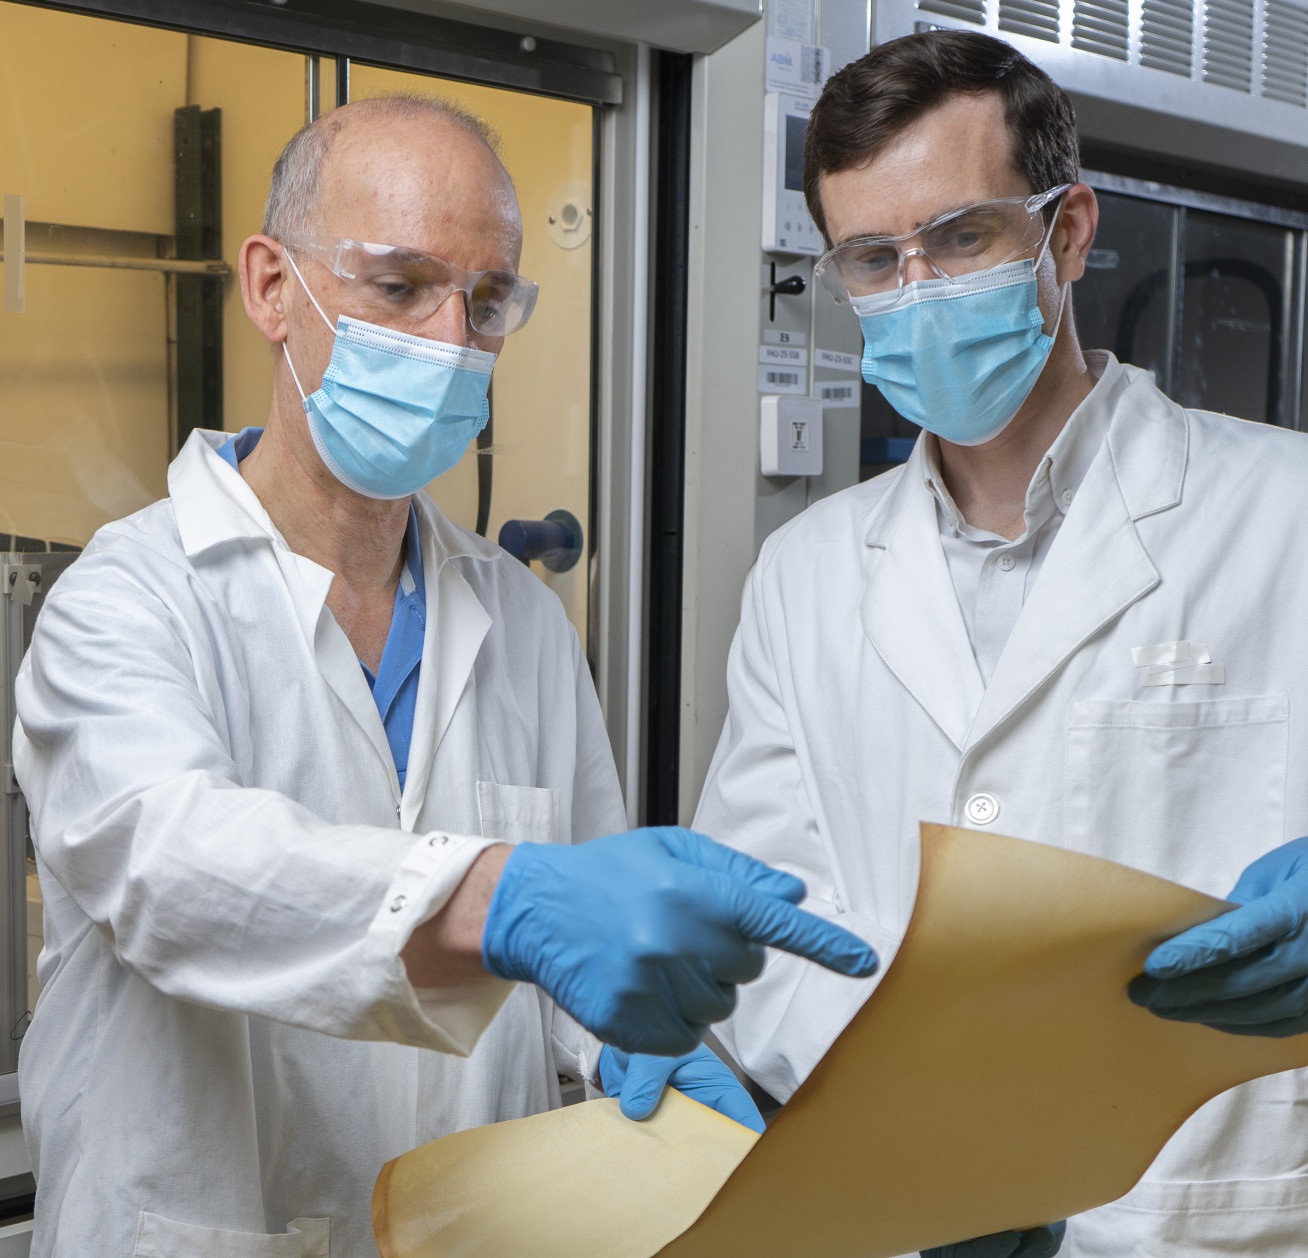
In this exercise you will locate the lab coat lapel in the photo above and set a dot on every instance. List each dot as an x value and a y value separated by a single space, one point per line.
457 624
1098 565
214 506
308 584
910 610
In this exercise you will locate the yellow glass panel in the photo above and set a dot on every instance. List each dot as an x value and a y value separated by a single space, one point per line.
86 428
541 451
261 94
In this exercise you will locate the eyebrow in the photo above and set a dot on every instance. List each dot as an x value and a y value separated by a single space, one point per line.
921 223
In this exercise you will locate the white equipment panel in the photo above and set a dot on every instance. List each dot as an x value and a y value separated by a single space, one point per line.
787 225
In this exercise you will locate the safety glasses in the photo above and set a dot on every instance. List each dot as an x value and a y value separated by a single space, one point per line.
393 284
973 238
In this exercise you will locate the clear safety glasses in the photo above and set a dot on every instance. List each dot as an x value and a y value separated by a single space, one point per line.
393 284
973 238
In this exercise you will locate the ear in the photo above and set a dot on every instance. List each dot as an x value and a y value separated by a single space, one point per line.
1075 232
263 280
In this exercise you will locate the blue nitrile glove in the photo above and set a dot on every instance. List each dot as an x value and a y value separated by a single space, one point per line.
1037 1242
1245 972
642 937
639 1079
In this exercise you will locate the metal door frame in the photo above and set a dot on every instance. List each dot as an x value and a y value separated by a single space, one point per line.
1294 406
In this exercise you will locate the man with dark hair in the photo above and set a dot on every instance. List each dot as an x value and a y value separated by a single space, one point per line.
1051 621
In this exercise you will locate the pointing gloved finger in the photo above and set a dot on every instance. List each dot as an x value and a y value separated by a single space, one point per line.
767 920
699 849
1235 934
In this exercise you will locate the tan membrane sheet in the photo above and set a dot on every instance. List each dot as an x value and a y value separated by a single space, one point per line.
998 1077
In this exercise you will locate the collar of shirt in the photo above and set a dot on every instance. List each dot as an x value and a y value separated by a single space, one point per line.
1056 479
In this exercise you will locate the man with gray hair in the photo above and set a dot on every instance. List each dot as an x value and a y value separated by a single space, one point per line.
309 770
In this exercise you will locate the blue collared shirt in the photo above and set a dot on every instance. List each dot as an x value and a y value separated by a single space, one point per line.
395 687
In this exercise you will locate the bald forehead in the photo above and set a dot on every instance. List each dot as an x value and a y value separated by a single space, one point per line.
418 181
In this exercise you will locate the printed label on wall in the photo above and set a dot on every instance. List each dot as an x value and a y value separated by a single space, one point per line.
837 361
791 355
772 336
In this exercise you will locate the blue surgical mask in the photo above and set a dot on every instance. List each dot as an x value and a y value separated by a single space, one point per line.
394 411
958 357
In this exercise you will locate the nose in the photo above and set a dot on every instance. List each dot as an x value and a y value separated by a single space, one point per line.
449 321
914 266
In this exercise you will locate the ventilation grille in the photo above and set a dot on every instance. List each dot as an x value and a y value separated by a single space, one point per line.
1229 44
1101 26
1167 35
1256 47
959 10
1036 19
1285 53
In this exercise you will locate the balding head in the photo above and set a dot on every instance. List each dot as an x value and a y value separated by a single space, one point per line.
297 178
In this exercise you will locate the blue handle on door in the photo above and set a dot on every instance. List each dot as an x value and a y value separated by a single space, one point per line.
555 540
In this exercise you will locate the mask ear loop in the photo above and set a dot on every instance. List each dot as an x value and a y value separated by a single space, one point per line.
1065 287
286 253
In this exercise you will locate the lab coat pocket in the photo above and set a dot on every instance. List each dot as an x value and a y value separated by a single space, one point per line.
518 814
1267 1217
157 1237
1192 791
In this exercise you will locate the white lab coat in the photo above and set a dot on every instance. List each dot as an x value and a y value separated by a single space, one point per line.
856 711
227 1048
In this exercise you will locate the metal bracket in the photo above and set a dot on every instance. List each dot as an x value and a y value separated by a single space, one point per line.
21 582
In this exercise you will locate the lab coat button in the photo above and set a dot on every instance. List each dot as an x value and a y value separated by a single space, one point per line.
1006 562
398 903
1067 497
982 808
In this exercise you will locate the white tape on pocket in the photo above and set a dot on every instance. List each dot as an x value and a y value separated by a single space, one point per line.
1177 664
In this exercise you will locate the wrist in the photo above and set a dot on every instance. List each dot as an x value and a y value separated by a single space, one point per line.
446 950
506 908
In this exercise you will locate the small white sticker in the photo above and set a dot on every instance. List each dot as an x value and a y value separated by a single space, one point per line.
837 361
791 355
792 19
781 380
796 68
773 337
799 435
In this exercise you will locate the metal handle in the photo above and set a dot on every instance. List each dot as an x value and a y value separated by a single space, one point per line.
555 541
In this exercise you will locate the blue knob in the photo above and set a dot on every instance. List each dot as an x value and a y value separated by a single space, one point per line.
555 540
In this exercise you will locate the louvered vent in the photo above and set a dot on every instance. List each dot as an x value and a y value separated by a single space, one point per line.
1285 53
1101 26
1228 44
1167 35
959 10
1037 19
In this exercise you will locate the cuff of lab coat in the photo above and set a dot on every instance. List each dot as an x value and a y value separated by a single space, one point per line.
448 1019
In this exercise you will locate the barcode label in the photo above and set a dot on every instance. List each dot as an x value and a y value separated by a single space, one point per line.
781 380
834 396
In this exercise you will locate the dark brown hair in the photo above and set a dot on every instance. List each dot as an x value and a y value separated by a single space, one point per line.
867 104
